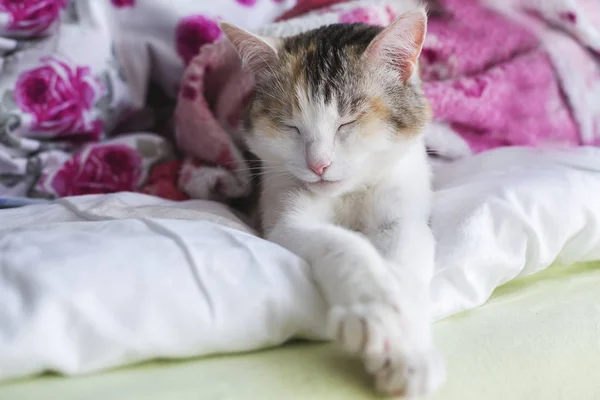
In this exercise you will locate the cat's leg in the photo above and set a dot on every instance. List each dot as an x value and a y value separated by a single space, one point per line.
408 364
367 309
346 266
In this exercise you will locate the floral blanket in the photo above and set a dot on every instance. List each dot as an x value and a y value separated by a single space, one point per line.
520 72
87 87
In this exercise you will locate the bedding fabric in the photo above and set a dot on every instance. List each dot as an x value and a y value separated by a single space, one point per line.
75 121
112 280
496 73
75 74
537 338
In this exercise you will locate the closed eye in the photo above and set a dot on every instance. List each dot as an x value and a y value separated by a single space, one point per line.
347 125
292 128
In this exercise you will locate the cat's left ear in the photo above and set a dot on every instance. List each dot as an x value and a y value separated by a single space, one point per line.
399 45
257 52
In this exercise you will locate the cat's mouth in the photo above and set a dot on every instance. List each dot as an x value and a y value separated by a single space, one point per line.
324 184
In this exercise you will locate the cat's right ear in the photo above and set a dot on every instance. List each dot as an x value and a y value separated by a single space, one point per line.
255 51
398 46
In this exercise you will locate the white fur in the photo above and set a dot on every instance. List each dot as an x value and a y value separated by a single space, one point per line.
368 241
362 225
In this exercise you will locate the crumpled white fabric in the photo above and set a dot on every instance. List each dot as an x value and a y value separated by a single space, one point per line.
96 282
509 213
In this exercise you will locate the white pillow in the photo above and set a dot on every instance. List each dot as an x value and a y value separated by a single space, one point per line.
101 281
82 291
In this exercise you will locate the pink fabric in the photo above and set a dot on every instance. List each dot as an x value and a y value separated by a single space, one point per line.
162 181
106 168
31 17
364 15
573 52
304 6
488 77
123 3
213 92
192 33
492 76
60 97
75 78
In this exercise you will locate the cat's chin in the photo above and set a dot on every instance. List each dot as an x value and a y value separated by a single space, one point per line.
326 187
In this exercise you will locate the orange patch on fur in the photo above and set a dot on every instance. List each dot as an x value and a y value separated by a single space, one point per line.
266 127
297 79
294 64
379 108
379 115
425 117
376 116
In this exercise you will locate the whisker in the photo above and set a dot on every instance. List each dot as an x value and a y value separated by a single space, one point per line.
283 174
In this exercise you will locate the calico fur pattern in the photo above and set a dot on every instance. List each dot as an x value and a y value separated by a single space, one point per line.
326 61
337 120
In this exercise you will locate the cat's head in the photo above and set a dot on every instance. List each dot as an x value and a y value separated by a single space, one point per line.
333 105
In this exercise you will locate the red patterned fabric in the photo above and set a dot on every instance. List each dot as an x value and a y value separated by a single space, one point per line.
305 6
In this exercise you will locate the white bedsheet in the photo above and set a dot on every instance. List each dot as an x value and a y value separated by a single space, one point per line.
100 281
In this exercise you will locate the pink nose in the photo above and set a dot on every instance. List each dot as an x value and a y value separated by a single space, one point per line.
319 167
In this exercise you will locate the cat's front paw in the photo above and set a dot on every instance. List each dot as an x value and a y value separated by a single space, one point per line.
377 332
411 375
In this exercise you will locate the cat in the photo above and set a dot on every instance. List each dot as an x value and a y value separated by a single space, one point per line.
337 120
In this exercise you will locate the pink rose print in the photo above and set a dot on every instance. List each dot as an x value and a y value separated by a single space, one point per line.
364 15
30 16
568 16
247 3
162 181
61 98
104 168
194 32
123 3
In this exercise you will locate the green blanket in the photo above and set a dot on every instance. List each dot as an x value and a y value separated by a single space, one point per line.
537 338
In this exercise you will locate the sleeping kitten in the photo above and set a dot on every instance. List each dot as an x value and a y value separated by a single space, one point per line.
337 120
